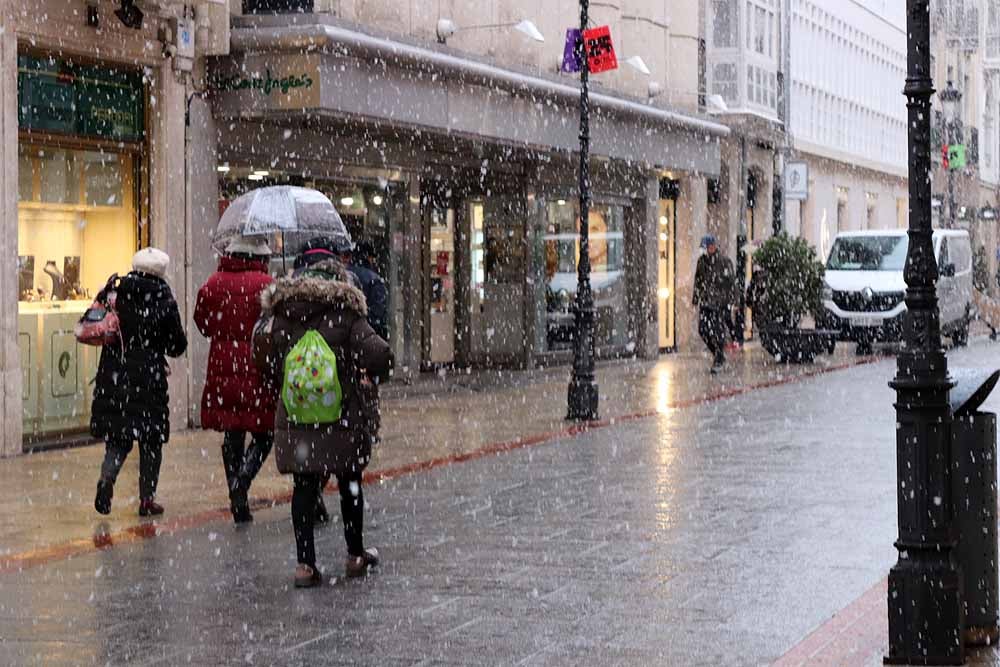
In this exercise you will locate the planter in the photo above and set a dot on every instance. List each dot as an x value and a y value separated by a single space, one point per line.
797 346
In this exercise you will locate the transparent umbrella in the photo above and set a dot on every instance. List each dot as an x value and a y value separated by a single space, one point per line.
288 214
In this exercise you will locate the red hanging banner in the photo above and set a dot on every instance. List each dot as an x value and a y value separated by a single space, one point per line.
600 51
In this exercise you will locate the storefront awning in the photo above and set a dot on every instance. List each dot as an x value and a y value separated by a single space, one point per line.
332 70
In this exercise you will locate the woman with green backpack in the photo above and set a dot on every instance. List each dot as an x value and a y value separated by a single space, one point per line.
321 356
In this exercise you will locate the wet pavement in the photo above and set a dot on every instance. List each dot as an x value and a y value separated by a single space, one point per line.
725 522
47 498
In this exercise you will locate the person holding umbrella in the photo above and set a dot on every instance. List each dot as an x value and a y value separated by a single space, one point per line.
235 400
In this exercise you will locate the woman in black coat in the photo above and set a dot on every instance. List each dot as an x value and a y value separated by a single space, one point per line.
131 402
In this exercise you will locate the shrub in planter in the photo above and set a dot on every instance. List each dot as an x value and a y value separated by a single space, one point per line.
788 282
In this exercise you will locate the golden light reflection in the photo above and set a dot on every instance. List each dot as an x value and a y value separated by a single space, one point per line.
664 391
666 515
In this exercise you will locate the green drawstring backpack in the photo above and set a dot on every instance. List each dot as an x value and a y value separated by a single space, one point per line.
311 389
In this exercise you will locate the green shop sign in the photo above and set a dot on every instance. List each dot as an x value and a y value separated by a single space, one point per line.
265 83
55 95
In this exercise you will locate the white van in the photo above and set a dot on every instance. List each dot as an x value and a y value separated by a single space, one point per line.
864 287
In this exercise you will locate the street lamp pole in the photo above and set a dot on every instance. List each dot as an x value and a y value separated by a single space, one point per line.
582 395
924 598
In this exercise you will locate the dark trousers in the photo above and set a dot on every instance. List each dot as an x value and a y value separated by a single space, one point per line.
713 324
150 459
352 507
242 466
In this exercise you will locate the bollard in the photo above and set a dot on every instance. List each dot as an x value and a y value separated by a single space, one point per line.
974 494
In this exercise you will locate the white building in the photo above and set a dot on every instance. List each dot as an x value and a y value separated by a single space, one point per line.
848 116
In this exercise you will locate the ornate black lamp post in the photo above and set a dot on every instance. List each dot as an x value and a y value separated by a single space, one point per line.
925 597
583 385
950 97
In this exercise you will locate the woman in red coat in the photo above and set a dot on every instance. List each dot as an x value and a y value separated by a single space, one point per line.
235 400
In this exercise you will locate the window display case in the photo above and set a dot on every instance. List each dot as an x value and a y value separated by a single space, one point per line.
77 225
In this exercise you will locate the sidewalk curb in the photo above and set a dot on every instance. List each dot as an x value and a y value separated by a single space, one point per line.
149 529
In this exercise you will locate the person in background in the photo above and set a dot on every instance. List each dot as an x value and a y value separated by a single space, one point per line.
714 285
322 299
235 400
371 283
131 401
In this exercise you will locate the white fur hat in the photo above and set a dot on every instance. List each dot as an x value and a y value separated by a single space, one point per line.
152 261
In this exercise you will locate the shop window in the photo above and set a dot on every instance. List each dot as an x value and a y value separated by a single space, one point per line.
562 251
77 225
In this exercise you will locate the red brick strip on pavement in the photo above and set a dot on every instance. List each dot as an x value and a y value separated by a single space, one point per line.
851 637
150 529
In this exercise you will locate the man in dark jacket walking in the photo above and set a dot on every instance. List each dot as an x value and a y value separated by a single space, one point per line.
371 284
714 285
130 393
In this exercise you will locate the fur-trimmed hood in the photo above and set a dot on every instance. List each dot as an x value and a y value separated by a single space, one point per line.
332 287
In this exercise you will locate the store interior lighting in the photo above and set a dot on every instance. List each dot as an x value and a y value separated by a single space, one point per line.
223 168
377 200
347 201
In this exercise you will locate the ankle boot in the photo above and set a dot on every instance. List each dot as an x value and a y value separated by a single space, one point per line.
149 507
102 501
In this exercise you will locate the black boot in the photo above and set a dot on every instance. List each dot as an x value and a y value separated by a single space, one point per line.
239 503
102 502
232 461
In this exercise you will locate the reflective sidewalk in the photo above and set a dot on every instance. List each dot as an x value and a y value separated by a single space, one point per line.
46 499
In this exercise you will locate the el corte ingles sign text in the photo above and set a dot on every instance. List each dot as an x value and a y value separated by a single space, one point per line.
265 83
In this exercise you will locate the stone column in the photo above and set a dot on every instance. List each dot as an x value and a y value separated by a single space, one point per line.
202 154
408 367
641 243
534 289
10 358
169 222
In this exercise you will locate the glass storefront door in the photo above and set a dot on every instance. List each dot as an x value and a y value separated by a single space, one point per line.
440 225
496 279
665 274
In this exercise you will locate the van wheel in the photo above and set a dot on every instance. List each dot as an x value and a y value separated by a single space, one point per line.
960 336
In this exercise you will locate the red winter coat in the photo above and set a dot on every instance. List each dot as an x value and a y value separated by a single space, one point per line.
235 398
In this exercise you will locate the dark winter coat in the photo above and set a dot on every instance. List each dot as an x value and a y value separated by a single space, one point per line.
376 298
330 305
714 282
228 306
130 393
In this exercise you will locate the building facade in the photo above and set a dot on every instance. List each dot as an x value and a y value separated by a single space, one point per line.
93 145
965 38
746 50
848 132
455 157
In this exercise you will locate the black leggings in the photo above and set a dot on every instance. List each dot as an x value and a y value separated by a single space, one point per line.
150 459
352 507
242 466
